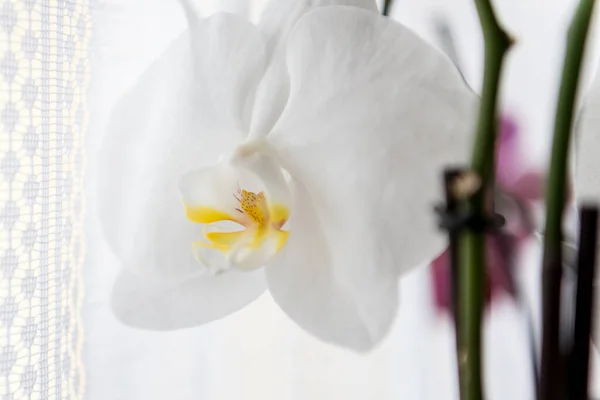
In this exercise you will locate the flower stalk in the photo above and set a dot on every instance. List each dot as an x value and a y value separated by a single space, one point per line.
550 378
579 357
472 254
387 6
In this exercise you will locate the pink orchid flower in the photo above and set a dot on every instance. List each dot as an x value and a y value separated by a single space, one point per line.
517 188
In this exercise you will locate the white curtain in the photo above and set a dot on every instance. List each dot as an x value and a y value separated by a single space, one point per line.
44 72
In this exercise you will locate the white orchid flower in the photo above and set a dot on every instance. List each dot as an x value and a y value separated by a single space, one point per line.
302 155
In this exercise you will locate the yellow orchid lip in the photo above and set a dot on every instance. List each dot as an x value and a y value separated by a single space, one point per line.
261 219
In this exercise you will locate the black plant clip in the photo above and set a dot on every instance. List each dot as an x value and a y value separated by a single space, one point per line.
458 220
460 183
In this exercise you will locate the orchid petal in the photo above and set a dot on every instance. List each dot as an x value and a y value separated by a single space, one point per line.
511 173
164 127
374 115
155 305
508 161
230 57
315 283
280 16
441 281
362 104
529 186
500 253
277 21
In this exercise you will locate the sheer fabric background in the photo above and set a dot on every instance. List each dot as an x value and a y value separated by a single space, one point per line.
44 73
258 353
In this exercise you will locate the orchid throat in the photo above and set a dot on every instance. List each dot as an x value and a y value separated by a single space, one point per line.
241 221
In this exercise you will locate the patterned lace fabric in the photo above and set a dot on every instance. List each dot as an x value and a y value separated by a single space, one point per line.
43 79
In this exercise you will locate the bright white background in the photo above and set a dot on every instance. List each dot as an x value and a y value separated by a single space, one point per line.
258 353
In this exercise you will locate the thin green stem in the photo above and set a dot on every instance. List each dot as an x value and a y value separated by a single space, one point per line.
555 196
497 43
472 260
551 373
387 7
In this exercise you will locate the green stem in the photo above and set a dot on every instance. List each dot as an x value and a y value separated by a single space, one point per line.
497 43
387 6
555 198
472 254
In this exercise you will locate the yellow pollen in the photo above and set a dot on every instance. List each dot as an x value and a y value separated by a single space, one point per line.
255 206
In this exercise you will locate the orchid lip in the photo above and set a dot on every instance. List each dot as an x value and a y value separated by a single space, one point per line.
240 198
262 222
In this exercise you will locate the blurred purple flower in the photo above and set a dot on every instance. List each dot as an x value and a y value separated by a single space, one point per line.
512 177
517 188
